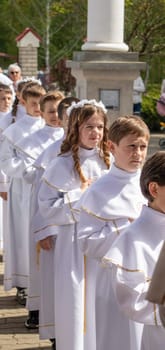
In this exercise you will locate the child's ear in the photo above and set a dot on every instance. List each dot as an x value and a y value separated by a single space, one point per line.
23 101
153 189
111 146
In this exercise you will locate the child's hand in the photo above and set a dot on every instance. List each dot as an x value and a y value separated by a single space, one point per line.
46 243
3 195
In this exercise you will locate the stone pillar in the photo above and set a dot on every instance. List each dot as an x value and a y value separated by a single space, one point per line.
28 43
104 69
105 26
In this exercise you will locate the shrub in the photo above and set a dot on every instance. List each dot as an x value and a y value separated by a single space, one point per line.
149 113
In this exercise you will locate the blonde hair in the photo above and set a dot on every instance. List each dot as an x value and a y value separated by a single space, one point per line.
127 125
71 143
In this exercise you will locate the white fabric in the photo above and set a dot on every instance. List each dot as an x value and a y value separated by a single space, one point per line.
26 125
48 155
46 258
133 258
13 164
59 184
107 208
32 147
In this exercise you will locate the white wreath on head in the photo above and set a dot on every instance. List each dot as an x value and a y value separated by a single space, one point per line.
84 102
28 79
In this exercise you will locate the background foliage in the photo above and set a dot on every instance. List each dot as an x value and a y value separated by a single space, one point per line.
62 25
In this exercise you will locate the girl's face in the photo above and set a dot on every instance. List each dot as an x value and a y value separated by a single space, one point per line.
91 131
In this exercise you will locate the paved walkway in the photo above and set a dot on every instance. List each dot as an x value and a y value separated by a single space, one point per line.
13 334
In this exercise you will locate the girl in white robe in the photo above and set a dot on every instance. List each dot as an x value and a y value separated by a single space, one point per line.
83 158
12 166
106 209
133 257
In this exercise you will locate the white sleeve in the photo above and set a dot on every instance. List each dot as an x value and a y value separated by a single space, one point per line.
130 289
96 235
57 206
12 161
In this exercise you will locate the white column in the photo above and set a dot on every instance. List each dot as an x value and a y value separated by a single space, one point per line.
105 28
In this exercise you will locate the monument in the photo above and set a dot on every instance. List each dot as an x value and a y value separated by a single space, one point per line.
104 68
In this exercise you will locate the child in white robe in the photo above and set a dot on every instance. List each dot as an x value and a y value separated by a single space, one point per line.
8 118
106 209
30 148
46 309
133 257
6 98
17 203
84 156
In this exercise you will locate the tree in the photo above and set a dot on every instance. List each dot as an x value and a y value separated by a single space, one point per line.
67 27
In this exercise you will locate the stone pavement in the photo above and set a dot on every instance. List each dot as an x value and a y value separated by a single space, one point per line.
13 334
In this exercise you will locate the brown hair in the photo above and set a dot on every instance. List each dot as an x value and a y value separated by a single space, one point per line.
50 96
5 88
64 104
153 171
32 90
127 125
71 143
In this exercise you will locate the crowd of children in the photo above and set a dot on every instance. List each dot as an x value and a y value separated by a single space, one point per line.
82 220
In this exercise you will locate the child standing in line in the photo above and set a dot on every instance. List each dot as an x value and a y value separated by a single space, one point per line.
9 113
28 149
5 106
17 255
134 255
5 99
107 208
83 157
46 309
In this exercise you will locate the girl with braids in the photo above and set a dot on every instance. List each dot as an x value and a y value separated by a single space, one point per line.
83 158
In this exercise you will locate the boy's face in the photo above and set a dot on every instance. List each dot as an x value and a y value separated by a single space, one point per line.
5 101
32 106
50 113
131 152
158 194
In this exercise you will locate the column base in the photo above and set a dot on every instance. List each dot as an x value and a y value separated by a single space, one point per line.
97 46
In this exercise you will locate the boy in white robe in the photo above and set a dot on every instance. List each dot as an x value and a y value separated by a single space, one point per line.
83 157
106 209
46 309
17 203
133 257
30 148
